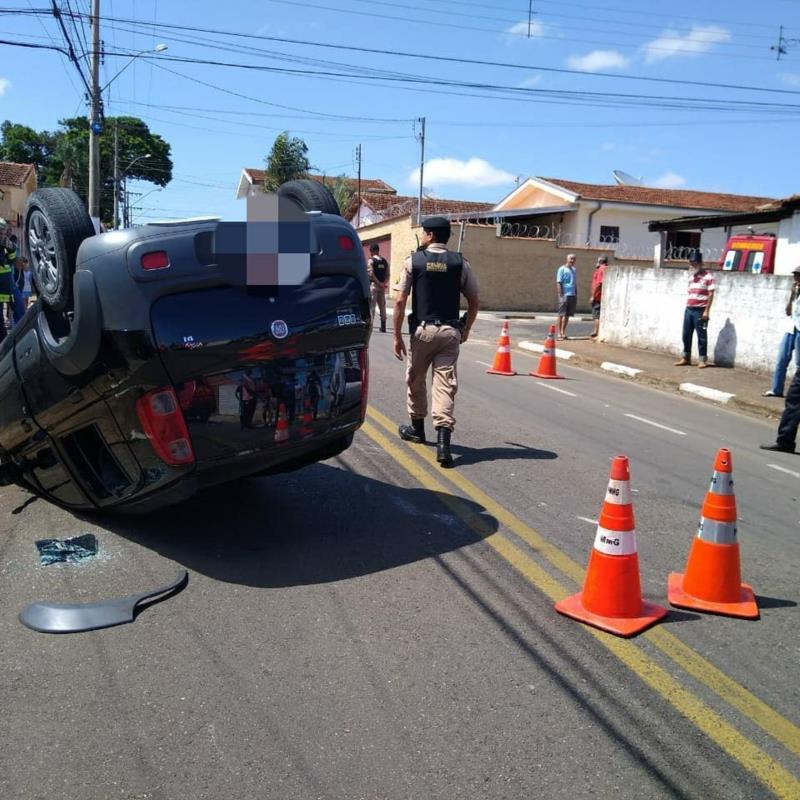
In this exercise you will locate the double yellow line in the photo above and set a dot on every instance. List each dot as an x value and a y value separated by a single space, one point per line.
779 780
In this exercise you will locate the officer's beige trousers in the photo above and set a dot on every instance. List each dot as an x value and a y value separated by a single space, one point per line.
437 347
377 296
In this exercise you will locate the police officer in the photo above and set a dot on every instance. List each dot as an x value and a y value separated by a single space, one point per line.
378 269
6 282
438 277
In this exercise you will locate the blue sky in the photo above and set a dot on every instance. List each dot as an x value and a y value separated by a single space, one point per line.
486 125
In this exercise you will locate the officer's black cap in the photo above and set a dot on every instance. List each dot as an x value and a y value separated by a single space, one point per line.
436 224
441 225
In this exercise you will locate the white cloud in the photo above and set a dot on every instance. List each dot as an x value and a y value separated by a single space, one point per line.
791 78
529 82
598 60
607 147
669 180
4 84
521 29
671 43
451 172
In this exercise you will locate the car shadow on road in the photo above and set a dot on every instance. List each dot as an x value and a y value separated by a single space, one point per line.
477 455
318 525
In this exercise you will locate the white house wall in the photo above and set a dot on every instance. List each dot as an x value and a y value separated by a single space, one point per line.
644 308
635 241
788 250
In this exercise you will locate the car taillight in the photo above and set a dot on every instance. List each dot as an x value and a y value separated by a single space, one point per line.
158 259
346 243
363 361
165 427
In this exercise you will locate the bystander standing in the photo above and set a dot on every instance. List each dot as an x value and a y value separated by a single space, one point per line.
790 341
597 292
698 306
567 285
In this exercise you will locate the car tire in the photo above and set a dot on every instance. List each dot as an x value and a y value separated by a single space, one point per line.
56 223
310 196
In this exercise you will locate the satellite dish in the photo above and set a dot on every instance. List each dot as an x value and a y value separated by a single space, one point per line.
625 179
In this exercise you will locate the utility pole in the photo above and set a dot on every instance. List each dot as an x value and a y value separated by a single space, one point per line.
95 125
358 161
780 48
116 177
530 14
421 167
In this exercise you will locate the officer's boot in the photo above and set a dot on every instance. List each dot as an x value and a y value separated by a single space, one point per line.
443 454
415 432
383 326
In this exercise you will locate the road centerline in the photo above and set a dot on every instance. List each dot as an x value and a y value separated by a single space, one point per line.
656 424
727 689
783 469
779 780
555 388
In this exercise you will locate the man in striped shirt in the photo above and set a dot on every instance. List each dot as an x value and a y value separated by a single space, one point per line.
698 304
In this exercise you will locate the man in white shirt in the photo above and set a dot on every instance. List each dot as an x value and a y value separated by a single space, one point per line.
790 342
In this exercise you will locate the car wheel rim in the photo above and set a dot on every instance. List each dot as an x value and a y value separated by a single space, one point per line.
43 252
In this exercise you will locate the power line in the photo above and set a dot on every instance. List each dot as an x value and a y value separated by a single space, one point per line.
460 60
610 98
519 19
417 21
627 11
496 91
616 22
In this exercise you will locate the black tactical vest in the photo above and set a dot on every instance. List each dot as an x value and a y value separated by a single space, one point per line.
436 284
380 268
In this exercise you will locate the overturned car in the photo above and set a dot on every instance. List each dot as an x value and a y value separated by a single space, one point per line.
174 356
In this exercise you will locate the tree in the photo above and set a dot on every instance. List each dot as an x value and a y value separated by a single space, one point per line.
62 157
343 192
23 145
286 161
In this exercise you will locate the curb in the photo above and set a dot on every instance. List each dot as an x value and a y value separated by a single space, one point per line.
631 372
749 407
706 392
539 348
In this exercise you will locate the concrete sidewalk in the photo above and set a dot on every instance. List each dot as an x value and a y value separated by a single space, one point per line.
727 386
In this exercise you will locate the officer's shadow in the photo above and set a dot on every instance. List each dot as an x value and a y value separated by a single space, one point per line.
476 455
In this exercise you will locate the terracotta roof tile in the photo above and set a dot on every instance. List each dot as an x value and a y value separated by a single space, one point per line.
400 205
14 174
681 198
367 184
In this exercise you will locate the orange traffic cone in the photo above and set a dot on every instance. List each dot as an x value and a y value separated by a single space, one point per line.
306 428
282 428
713 578
502 358
547 363
612 595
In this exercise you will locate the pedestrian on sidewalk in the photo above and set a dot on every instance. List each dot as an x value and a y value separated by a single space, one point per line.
378 271
438 277
698 306
790 342
786 439
567 284
597 293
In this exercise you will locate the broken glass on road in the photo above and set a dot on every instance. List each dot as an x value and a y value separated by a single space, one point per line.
72 551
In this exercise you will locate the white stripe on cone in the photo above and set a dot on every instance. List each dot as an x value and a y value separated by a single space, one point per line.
615 543
619 493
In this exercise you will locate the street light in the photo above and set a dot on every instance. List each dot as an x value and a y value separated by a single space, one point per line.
159 48
119 176
146 194
95 124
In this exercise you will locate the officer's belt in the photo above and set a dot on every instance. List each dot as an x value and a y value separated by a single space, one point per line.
453 323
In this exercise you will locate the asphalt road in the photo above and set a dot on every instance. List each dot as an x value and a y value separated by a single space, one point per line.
375 627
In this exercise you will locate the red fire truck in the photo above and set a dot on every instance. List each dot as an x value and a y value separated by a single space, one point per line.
749 253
